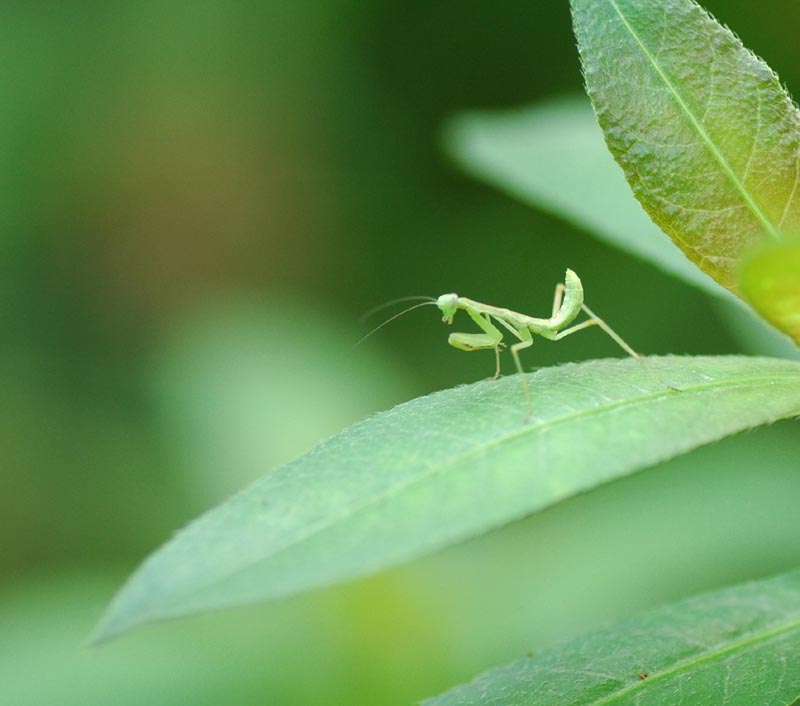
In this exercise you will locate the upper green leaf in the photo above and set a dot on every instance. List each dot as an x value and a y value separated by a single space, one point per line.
737 647
445 467
707 137
552 155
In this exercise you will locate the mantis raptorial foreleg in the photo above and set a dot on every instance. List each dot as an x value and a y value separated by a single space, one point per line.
490 338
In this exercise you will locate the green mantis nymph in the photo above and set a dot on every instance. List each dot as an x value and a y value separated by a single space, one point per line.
567 306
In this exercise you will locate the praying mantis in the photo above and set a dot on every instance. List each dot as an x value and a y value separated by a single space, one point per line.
567 306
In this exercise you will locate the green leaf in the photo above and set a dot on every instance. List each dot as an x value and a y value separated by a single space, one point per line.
442 468
707 137
737 647
553 156
771 283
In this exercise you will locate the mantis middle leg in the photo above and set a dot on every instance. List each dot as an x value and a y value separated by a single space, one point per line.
525 336
525 341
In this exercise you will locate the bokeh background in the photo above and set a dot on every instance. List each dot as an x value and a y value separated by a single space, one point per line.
197 202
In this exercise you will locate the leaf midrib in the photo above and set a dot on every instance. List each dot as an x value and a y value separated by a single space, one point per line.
744 381
749 199
702 657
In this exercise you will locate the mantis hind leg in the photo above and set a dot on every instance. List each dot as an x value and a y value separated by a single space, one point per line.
595 320
558 297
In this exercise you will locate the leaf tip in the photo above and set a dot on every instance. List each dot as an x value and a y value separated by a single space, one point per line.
114 622
126 611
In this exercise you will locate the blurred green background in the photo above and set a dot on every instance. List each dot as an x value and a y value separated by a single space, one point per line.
198 201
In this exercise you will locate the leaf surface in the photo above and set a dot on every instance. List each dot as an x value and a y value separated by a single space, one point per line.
736 647
445 467
706 135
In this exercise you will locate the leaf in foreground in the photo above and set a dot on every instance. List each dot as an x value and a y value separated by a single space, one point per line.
708 138
771 282
736 647
445 467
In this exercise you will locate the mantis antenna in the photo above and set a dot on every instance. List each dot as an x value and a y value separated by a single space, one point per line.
430 302
386 305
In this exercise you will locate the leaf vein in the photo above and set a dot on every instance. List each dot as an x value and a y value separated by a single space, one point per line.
678 670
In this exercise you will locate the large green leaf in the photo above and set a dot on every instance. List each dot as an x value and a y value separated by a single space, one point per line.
445 467
737 647
707 136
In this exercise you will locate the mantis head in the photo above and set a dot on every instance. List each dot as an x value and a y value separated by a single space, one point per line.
448 303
